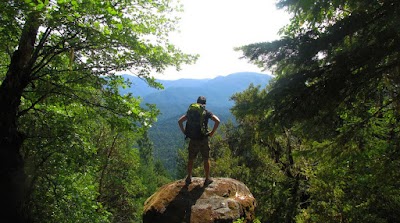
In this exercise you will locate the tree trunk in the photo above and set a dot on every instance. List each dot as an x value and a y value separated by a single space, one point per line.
11 162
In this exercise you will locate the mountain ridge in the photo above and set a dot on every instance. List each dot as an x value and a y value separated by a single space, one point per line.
144 89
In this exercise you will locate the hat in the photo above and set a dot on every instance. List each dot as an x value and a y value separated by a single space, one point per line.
201 100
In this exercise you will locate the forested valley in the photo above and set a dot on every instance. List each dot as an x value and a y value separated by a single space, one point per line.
320 143
173 101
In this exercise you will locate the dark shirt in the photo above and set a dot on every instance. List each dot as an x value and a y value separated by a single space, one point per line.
208 116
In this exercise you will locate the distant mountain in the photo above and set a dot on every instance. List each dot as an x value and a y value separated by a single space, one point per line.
140 87
176 96
180 93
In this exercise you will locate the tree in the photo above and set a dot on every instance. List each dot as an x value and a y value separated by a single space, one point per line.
328 54
336 88
53 49
83 163
270 152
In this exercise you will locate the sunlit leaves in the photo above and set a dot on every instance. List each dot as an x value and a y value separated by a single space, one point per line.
121 33
336 89
79 130
81 153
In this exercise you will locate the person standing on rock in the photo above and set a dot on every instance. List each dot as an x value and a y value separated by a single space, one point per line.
196 130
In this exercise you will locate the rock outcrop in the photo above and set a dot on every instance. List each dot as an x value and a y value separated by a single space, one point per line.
224 200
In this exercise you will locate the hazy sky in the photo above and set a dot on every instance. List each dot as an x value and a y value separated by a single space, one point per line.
212 28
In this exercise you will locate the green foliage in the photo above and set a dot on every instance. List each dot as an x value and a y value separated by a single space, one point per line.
241 220
330 116
267 163
80 157
82 151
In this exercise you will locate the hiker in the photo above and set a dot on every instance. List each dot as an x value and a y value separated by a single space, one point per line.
197 130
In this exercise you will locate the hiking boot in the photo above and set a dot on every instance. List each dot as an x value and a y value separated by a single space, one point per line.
188 180
208 181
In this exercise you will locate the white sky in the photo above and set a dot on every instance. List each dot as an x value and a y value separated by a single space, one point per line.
212 28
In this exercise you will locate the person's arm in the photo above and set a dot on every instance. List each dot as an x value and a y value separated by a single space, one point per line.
216 124
181 120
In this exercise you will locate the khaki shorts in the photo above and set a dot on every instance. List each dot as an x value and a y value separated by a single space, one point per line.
200 145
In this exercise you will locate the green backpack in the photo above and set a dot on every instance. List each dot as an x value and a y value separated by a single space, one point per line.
195 125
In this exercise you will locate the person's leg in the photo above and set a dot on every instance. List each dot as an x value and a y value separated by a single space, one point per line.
205 152
207 168
190 168
193 150
208 179
188 179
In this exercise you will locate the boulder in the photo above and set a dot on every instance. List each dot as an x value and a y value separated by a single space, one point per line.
224 200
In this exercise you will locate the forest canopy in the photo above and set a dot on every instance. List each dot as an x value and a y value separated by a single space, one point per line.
72 147
327 127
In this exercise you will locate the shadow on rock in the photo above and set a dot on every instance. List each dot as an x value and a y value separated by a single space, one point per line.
224 200
180 208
